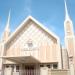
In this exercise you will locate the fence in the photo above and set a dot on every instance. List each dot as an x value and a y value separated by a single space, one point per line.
58 72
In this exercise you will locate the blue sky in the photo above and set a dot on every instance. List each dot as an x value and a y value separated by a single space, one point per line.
49 12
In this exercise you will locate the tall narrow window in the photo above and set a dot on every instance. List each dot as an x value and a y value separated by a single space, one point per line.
30 44
55 66
17 68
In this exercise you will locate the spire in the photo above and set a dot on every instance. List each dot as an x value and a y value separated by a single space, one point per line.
66 11
8 23
7 29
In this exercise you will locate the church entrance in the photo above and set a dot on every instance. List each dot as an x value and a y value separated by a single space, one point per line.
29 70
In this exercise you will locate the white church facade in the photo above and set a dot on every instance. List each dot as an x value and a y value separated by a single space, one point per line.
32 49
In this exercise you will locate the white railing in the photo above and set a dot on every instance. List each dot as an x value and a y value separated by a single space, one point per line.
58 72
27 72
16 73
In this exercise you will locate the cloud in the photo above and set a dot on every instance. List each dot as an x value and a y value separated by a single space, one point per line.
28 10
27 7
49 26
53 28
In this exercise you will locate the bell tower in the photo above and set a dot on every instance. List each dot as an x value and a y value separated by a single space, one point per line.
69 40
68 25
69 33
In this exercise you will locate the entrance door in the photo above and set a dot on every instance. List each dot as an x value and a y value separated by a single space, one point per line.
29 70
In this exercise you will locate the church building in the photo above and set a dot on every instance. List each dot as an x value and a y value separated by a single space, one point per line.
32 49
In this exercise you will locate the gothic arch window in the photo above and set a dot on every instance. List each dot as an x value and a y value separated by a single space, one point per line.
29 43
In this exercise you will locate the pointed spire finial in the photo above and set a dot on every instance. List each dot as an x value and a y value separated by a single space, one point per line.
8 23
7 29
66 11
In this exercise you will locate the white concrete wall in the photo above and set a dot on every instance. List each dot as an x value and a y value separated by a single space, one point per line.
45 47
43 71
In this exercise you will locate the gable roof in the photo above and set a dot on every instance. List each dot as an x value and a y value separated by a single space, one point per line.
37 23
